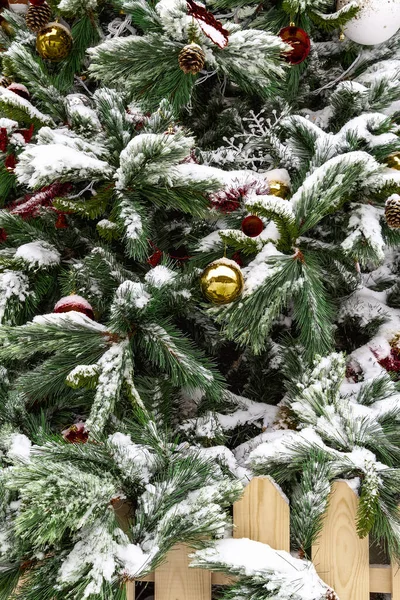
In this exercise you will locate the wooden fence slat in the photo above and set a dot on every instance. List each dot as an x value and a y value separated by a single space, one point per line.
263 514
130 590
395 582
174 580
380 579
339 555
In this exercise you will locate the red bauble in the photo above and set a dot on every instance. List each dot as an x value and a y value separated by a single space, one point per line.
3 235
37 2
76 434
252 226
300 42
20 90
76 303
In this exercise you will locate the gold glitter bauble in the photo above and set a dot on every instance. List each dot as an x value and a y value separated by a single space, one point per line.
393 161
222 281
277 188
54 42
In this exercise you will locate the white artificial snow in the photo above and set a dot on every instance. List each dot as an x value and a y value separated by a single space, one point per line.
285 575
132 220
44 164
132 559
257 271
131 293
20 447
13 285
68 320
82 372
95 552
210 242
8 124
174 17
152 155
70 139
15 100
39 254
134 460
281 175
160 276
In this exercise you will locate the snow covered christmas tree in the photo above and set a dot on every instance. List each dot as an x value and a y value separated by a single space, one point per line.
199 283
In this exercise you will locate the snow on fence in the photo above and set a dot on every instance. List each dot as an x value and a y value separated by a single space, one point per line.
339 555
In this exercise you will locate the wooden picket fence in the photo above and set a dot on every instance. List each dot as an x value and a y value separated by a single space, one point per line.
339 555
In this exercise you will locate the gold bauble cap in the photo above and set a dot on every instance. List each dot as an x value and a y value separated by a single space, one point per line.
278 188
54 42
393 161
222 281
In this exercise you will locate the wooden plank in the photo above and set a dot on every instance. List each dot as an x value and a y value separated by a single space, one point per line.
263 514
130 590
395 570
339 555
174 580
380 579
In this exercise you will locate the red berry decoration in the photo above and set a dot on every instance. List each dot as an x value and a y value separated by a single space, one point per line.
76 434
252 226
20 90
76 303
300 42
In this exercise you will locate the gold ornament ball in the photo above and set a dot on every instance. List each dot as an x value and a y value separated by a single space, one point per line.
54 42
222 281
393 161
277 188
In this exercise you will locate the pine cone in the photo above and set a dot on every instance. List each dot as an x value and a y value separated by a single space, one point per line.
331 595
191 59
4 81
38 16
392 211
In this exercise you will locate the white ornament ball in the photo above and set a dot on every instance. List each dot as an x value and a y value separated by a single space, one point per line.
375 23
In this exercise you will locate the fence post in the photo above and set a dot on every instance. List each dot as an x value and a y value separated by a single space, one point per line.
395 581
130 590
263 514
174 580
339 555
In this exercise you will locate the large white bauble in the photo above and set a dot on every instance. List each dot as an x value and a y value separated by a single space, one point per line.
375 22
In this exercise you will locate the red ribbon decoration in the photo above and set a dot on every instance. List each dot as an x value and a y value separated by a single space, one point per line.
3 139
212 28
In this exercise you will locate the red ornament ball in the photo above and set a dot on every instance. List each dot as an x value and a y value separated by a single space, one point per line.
300 42
37 2
76 303
76 434
3 235
19 89
252 226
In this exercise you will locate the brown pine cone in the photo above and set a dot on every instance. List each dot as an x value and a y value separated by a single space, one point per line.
38 16
392 211
191 59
